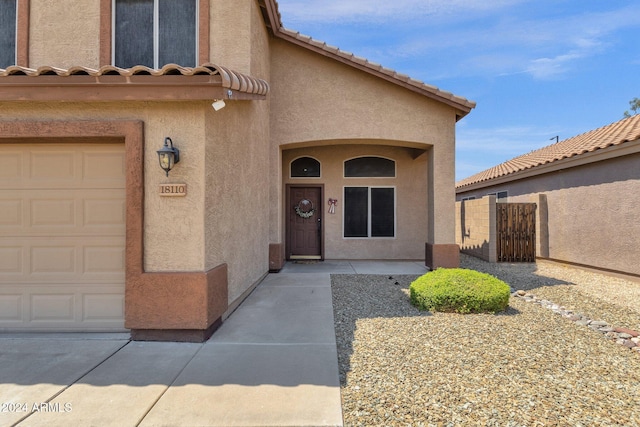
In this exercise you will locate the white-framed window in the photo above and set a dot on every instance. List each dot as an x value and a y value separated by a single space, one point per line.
469 198
8 32
155 33
305 167
370 167
369 212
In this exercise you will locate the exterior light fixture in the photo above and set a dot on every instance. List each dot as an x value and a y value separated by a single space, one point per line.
168 155
218 104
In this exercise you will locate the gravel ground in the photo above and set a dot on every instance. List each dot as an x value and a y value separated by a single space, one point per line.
525 367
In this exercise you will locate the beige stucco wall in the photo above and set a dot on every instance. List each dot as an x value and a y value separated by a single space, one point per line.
237 197
174 226
476 227
411 200
238 36
591 212
69 34
65 35
237 152
316 99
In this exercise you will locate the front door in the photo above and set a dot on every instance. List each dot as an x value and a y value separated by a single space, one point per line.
304 222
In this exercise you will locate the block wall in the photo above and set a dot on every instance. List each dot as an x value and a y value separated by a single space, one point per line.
476 227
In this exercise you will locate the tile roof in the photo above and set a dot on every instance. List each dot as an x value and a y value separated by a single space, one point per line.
615 134
229 79
274 23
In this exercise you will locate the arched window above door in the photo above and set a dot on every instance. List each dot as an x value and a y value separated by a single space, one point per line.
305 167
370 167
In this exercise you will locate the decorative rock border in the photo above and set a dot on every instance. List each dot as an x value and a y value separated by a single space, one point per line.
622 336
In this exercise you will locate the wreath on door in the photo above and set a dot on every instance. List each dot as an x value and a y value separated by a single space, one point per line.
304 209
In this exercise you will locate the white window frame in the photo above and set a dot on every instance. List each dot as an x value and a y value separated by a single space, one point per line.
156 32
395 213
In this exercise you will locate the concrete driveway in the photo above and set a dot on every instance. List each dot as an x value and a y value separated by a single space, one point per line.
272 362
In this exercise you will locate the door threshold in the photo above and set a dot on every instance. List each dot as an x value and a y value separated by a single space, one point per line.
307 257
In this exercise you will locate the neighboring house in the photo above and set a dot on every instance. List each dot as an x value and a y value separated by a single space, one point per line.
317 154
587 189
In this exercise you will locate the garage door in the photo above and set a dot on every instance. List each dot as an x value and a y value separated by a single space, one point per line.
62 237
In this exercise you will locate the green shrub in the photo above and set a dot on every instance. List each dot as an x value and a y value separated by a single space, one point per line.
459 290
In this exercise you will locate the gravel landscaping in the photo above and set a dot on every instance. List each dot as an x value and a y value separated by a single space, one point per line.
527 366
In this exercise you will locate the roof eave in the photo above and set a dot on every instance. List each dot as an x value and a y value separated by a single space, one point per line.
273 21
109 83
611 152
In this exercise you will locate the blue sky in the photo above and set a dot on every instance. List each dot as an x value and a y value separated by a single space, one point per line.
535 68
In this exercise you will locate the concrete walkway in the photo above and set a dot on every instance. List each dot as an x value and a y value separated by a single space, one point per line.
272 363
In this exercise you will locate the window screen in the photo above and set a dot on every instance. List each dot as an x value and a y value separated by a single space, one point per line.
305 167
139 42
369 167
7 33
134 33
382 212
356 212
177 32
369 212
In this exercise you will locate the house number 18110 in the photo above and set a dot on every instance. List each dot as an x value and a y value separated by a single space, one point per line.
173 190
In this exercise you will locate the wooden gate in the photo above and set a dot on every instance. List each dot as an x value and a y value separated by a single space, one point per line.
516 232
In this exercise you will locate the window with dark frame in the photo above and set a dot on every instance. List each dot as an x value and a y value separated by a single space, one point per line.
501 196
155 33
8 10
369 212
305 167
370 167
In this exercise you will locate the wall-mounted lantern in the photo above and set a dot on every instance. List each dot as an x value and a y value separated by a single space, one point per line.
168 155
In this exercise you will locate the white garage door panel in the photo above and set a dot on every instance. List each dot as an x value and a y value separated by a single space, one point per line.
62 237
74 260
62 212
61 307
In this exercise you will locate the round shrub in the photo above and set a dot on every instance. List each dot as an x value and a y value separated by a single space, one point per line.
459 290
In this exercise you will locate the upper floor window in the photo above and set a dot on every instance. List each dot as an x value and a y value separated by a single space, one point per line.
8 20
305 167
155 33
369 167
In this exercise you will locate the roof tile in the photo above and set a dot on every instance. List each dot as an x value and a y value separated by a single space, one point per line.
230 79
463 104
617 133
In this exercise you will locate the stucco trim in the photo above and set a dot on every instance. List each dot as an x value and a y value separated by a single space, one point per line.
276 257
22 33
203 31
442 256
106 33
183 301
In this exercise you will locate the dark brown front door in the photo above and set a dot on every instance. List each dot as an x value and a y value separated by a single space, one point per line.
304 222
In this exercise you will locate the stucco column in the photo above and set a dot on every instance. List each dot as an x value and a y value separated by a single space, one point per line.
276 225
441 249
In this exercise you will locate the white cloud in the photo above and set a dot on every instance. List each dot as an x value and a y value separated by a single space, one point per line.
498 37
